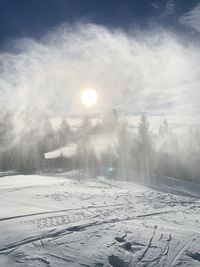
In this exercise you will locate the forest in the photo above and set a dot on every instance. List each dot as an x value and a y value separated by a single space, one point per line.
161 153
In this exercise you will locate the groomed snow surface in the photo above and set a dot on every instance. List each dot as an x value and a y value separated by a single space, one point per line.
72 219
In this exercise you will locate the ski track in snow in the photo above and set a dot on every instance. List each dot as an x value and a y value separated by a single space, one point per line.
69 221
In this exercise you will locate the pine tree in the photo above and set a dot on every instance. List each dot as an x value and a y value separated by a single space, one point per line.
143 130
145 145
64 132
123 148
111 120
86 126
164 130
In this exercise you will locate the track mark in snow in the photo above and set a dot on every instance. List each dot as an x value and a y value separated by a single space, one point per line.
60 258
182 249
53 221
38 259
50 234
163 255
56 233
57 211
148 246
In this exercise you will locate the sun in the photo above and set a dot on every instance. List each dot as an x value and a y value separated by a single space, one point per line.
89 97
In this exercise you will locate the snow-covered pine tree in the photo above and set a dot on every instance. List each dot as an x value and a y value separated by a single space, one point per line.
145 145
64 132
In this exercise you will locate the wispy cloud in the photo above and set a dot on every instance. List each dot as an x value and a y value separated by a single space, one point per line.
192 18
155 5
165 8
170 7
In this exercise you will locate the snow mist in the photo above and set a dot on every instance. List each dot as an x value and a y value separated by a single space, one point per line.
154 71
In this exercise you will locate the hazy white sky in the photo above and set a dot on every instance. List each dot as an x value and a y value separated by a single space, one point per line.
154 72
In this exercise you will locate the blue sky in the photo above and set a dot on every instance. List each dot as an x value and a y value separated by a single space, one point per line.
35 17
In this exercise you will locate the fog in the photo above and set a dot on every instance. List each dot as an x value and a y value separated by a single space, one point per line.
152 71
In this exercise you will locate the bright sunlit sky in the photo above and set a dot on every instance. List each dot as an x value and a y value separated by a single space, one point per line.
137 55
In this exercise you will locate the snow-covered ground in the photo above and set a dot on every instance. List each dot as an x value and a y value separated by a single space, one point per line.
72 219
67 151
98 144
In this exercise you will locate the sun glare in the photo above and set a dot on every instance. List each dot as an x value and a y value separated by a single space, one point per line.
89 97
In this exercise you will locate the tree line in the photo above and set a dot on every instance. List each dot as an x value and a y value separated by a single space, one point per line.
161 153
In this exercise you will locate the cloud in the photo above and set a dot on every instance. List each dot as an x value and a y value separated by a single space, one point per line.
165 9
155 5
192 18
170 7
152 71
